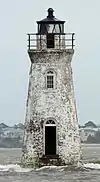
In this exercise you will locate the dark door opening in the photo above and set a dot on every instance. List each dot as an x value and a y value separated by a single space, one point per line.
50 140
50 40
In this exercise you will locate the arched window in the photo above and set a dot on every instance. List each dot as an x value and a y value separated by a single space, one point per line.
50 79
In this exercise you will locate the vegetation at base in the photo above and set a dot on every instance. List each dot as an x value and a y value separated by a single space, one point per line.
29 162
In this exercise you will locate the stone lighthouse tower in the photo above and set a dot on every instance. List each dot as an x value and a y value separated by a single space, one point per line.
51 134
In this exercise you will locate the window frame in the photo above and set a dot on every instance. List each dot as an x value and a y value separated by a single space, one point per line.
54 79
50 74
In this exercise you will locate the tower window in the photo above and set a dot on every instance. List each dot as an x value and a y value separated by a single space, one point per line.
50 79
50 40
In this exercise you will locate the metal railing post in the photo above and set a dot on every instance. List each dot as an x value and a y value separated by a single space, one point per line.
29 41
72 40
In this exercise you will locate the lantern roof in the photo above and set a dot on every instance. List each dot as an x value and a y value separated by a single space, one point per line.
50 18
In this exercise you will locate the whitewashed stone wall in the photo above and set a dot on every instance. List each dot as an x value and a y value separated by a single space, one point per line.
57 104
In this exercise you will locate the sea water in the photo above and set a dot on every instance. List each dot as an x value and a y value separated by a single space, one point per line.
10 171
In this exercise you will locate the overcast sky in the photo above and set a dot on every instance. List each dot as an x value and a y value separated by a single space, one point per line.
17 18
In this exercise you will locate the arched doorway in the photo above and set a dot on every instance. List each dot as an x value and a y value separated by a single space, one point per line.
50 138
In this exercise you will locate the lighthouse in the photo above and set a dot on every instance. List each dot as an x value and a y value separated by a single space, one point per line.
51 135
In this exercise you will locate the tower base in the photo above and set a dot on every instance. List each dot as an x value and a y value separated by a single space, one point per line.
48 160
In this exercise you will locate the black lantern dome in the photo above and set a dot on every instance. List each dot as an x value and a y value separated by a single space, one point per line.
50 25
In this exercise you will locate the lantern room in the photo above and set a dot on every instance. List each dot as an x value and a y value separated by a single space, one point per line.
50 25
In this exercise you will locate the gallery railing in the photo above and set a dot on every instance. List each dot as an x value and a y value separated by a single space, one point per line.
61 41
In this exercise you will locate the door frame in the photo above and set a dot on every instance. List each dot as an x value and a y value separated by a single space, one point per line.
44 134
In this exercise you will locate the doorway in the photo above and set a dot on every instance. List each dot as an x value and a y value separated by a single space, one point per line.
50 40
50 140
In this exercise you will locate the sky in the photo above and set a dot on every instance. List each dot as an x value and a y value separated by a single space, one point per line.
17 18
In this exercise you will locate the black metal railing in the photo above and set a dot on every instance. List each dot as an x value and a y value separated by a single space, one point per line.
61 41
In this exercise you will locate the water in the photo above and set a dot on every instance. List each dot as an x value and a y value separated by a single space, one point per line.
10 171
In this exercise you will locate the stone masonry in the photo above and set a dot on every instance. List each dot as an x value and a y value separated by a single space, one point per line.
57 104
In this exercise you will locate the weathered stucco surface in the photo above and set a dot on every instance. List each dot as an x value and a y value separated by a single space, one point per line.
57 104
